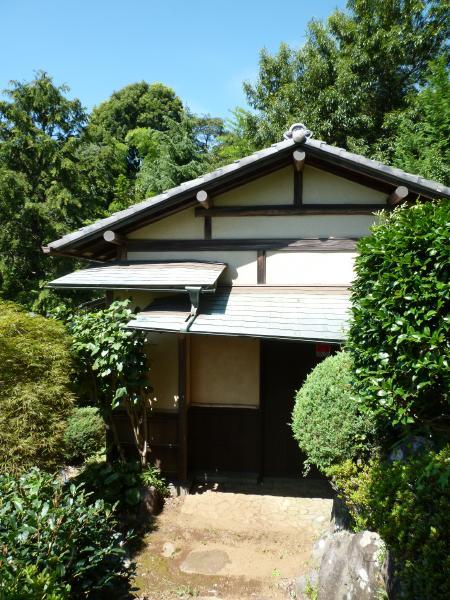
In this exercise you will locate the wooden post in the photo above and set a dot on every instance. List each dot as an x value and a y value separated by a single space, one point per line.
298 158
204 199
182 408
207 228
398 195
261 266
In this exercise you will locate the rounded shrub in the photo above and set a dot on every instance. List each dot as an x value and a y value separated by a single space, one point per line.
326 421
84 435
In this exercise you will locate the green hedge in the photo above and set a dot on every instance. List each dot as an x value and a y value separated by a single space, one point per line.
407 502
400 334
326 420
35 389
84 435
57 543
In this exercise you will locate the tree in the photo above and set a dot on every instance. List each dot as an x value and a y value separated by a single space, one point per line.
114 361
400 332
136 105
35 391
421 134
172 156
53 179
354 70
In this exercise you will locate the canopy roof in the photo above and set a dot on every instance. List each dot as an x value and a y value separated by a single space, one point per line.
310 314
144 276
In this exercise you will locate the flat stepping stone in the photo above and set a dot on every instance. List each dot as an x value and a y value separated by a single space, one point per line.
207 562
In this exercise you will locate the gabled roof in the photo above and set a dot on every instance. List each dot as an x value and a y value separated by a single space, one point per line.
337 160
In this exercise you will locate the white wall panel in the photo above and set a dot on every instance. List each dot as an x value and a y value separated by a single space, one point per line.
242 269
309 268
180 226
296 226
275 188
323 187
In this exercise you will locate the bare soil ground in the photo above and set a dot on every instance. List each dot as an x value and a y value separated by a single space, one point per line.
233 542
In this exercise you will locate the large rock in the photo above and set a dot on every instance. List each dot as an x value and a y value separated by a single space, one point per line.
351 567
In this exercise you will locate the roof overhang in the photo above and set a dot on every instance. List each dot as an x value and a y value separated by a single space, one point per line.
88 241
144 276
290 313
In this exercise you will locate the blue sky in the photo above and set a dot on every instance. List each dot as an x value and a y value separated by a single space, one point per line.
204 50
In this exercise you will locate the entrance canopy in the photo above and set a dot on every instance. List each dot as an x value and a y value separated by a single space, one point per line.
144 276
309 314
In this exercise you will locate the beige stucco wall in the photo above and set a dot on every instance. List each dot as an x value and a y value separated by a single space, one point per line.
241 264
323 187
180 226
299 226
163 374
309 268
224 371
275 188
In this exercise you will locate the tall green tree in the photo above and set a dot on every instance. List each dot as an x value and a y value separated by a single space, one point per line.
136 105
421 134
354 70
53 178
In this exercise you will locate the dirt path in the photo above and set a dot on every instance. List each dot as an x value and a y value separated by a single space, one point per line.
232 543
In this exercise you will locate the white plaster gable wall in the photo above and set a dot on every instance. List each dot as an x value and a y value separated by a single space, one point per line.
180 226
321 187
275 188
295 226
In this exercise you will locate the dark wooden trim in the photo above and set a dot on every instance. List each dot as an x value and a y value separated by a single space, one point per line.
261 266
207 228
261 412
109 297
282 210
122 252
283 244
298 188
182 407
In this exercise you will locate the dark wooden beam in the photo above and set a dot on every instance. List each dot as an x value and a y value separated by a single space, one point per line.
283 244
207 228
112 237
274 210
299 160
261 266
204 199
182 407
398 195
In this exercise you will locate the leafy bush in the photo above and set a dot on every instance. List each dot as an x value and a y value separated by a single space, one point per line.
151 477
408 504
114 360
121 483
85 434
57 541
35 395
400 335
326 421
114 483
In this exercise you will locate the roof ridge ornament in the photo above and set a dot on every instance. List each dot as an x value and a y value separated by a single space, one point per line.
298 133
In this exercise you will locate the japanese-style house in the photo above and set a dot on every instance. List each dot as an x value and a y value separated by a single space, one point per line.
241 279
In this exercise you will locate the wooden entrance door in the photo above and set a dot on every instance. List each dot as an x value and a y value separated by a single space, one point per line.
285 366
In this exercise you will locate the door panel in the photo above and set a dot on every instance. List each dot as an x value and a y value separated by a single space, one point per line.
285 366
